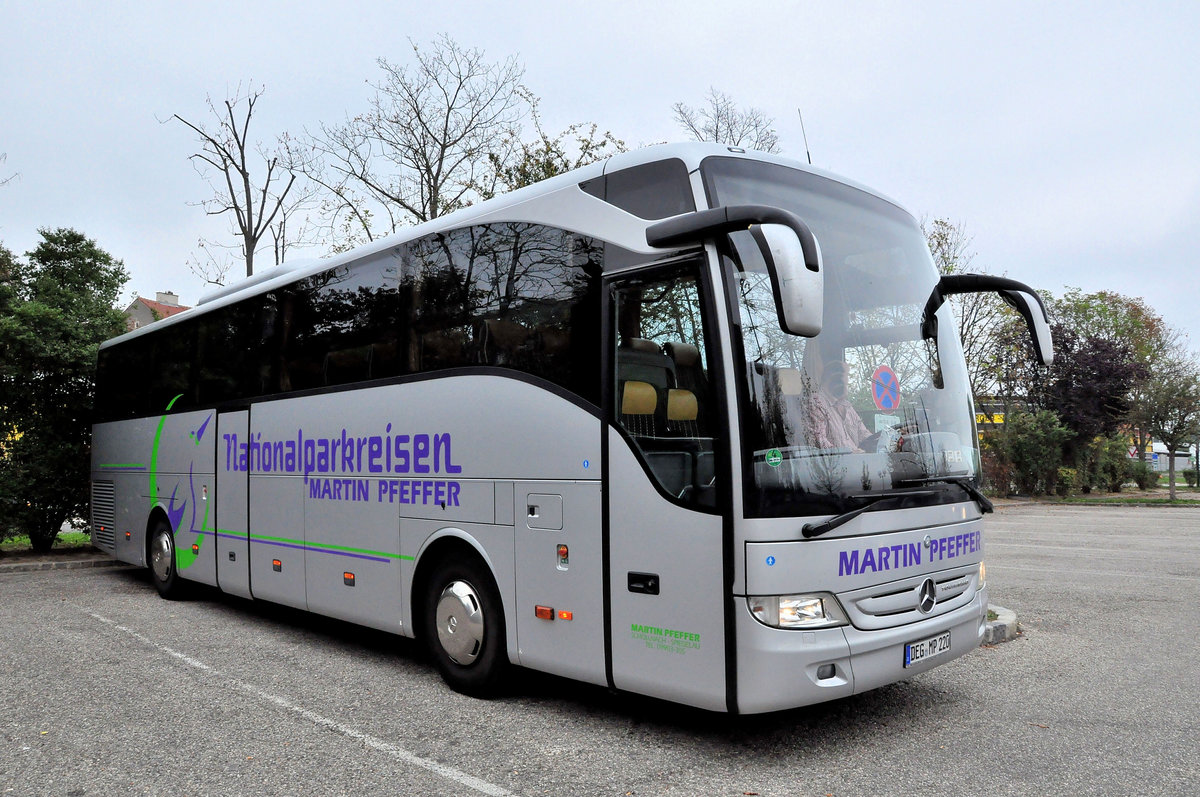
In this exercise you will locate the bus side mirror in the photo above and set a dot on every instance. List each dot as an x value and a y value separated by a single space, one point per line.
1029 305
799 288
1021 297
789 248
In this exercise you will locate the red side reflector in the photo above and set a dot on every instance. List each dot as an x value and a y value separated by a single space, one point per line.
543 612
565 615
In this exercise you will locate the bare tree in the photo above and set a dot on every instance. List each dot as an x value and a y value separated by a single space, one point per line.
979 315
529 162
722 121
228 160
5 180
425 144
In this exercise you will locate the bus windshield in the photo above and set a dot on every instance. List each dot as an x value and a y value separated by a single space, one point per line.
873 404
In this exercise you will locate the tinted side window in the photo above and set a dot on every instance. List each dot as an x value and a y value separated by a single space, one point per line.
230 353
511 295
650 191
519 296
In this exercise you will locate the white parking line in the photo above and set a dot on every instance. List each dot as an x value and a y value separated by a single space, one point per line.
373 742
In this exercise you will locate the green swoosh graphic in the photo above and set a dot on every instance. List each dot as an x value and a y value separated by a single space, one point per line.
184 557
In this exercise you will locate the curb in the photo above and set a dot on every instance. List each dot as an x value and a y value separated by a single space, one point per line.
1004 628
71 564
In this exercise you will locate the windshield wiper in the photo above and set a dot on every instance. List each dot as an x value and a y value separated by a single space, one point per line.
810 530
985 504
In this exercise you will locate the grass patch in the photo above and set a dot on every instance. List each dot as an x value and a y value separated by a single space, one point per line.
992 615
66 540
1126 501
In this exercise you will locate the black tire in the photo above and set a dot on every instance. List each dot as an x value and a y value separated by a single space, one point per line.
463 627
160 558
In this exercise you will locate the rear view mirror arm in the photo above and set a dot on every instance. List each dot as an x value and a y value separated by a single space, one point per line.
1010 290
690 228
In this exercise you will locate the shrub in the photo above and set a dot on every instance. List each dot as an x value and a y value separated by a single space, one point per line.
996 471
1112 464
1144 475
1032 445
1189 476
1068 481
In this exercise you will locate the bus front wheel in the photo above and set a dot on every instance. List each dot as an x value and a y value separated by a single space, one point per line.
464 627
164 569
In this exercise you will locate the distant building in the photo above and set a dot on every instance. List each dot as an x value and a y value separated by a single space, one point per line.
145 311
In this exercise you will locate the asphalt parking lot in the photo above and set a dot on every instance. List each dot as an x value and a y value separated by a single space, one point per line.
106 689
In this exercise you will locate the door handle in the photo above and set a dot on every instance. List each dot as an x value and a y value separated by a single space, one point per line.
645 583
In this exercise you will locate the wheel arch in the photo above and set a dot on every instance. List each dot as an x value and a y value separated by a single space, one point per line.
454 543
157 512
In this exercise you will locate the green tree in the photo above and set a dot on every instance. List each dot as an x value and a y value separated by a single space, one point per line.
1172 410
55 308
1125 322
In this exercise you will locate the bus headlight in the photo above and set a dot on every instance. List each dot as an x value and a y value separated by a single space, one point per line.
817 610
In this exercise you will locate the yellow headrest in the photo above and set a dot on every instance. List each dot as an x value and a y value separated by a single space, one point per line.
682 405
638 398
792 381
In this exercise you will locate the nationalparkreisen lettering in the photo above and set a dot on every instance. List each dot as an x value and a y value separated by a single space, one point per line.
345 453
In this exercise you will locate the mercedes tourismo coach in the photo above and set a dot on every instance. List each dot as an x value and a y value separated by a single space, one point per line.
690 422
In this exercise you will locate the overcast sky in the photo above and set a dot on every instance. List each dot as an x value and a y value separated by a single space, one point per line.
1064 137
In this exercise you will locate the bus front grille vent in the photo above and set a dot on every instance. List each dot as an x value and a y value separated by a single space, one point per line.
898 603
104 516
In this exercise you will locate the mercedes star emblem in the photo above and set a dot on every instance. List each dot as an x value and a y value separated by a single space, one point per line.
927 595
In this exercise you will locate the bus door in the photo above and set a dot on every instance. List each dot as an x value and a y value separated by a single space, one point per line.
665 543
233 548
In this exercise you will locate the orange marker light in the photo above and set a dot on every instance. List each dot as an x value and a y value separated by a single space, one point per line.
195 549
543 612
565 615
348 579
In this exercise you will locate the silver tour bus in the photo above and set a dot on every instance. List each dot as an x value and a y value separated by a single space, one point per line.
690 422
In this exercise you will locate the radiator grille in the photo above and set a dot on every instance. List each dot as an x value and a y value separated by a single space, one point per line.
104 516
895 604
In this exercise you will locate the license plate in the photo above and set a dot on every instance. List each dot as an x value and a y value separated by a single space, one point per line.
917 652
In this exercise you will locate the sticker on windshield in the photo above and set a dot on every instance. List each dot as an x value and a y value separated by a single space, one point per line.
774 457
885 388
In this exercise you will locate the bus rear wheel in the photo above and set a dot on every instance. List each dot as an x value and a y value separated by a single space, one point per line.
164 569
464 627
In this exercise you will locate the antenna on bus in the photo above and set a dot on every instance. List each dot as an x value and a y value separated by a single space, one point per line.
806 152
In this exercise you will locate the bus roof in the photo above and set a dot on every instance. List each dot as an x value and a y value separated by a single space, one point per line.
557 201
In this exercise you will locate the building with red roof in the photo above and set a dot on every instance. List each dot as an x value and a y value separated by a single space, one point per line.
144 311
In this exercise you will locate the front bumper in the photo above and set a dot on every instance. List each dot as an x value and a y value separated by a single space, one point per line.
779 669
